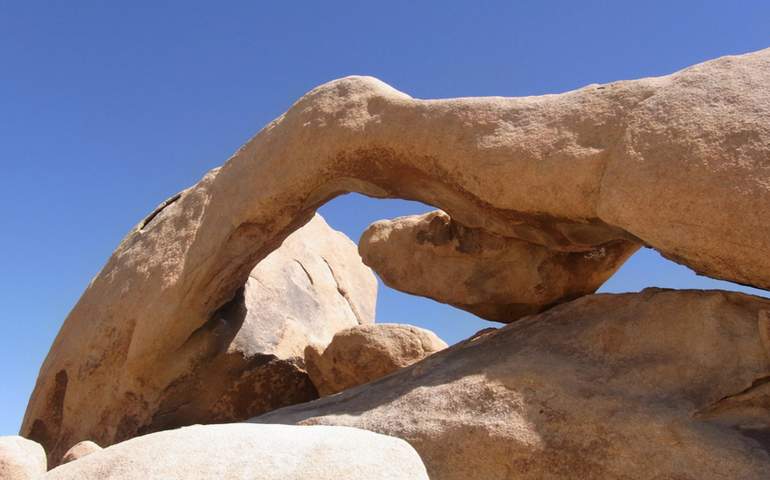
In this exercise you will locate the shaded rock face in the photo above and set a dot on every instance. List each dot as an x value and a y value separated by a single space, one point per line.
80 450
251 452
364 353
21 459
248 358
659 384
677 163
494 277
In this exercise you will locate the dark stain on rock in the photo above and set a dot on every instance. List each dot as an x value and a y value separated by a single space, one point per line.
46 431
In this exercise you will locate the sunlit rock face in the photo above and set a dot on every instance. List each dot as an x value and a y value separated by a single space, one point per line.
497 278
239 451
677 163
247 359
365 353
21 459
657 384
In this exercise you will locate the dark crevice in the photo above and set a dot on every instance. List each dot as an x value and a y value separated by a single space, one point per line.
755 384
343 293
216 334
309 277
159 209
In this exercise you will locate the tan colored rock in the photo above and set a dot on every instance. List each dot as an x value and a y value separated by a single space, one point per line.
364 353
251 452
494 277
654 385
21 459
248 358
80 450
678 163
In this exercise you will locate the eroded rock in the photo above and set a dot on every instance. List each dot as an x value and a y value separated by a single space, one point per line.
248 358
364 353
658 384
494 277
678 163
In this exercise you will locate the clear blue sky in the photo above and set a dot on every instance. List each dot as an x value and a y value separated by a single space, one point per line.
107 108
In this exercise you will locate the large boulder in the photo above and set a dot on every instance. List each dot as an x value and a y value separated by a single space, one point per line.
653 385
251 452
21 459
494 277
248 358
364 353
677 163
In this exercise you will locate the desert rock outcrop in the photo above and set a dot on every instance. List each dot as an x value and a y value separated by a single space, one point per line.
251 452
247 359
21 459
678 163
497 278
364 353
652 385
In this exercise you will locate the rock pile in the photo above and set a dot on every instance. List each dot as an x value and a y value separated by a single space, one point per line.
232 299
246 359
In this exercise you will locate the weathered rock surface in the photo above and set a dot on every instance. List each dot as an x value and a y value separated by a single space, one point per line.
248 358
21 459
80 450
251 452
497 278
364 353
655 385
679 163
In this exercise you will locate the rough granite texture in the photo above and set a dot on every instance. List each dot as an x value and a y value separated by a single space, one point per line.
246 360
662 384
494 277
239 451
680 163
364 353
21 459
80 450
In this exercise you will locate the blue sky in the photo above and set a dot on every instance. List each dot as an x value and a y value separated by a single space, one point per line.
107 108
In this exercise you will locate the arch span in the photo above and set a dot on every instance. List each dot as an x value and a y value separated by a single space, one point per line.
678 163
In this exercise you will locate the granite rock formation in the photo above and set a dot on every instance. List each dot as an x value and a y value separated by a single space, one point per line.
364 353
652 385
255 452
248 358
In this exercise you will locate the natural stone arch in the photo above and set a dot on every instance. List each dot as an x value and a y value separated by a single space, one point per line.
668 162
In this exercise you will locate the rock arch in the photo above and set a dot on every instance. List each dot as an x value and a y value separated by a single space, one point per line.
679 163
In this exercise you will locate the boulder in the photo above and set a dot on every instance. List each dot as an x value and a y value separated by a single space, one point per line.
497 278
364 353
21 459
80 450
251 452
677 163
248 358
653 385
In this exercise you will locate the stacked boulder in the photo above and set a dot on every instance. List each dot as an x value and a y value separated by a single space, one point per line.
246 359
365 353
221 305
